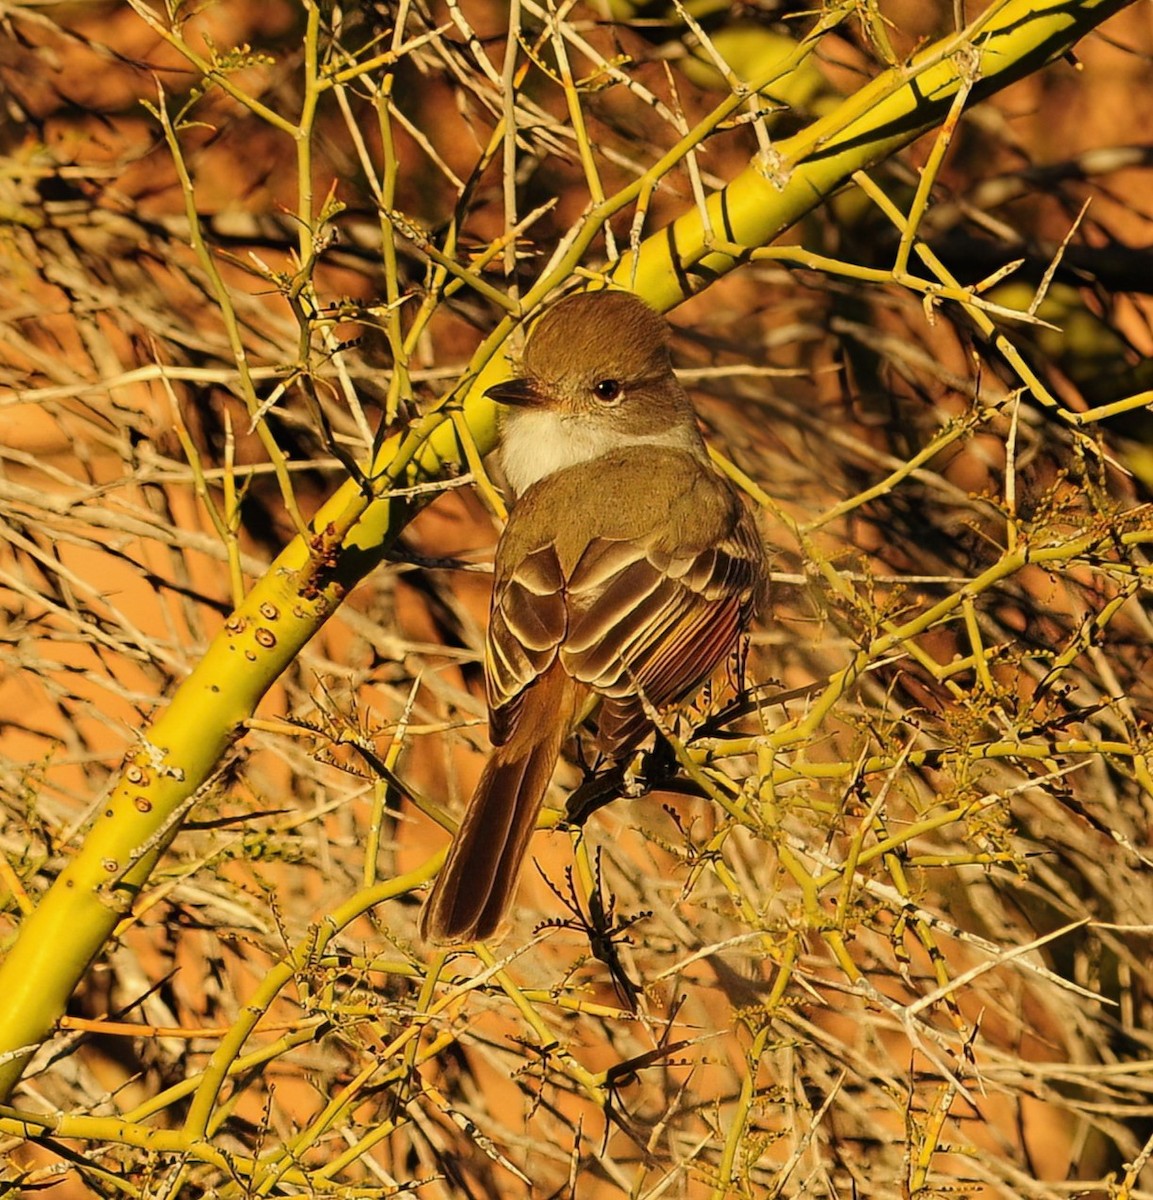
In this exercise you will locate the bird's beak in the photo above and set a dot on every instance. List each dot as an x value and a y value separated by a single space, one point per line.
524 392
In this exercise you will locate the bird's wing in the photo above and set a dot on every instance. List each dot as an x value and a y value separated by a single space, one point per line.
526 627
656 623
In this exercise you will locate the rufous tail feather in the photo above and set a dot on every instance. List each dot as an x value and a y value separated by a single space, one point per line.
475 887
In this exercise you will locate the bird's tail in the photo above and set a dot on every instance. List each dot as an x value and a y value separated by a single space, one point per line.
475 887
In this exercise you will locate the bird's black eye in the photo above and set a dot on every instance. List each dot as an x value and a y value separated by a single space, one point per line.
607 390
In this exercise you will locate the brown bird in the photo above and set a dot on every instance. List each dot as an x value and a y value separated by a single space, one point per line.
628 568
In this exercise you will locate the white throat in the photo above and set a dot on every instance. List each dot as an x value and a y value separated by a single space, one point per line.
538 442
